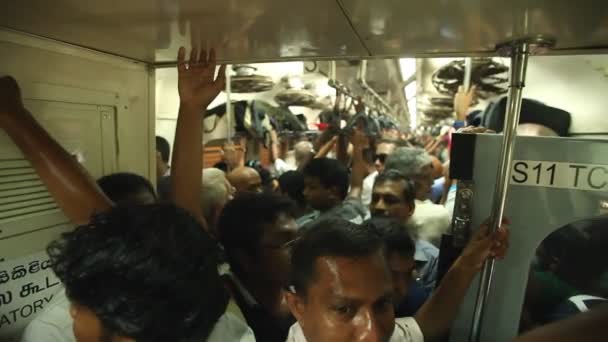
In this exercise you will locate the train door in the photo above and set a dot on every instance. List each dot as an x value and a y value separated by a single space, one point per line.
554 181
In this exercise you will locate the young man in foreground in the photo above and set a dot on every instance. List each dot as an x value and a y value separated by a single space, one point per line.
342 290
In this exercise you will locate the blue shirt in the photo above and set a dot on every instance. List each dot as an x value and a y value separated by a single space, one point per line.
426 258
416 296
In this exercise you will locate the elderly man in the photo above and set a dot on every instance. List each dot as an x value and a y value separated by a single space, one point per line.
245 179
429 220
216 191
303 153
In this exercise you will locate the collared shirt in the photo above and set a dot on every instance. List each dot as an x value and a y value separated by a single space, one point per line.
426 258
406 330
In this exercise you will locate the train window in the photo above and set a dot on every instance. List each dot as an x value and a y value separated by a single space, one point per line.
569 273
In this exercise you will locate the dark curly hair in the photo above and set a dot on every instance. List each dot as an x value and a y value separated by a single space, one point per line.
147 272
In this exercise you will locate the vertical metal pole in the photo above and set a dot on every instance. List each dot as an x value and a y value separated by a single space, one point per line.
468 66
332 70
519 62
228 104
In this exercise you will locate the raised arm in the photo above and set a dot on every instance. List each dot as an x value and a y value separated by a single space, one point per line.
326 148
359 168
436 315
274 146
197 89
75 191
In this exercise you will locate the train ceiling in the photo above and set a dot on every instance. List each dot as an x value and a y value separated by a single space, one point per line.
268 30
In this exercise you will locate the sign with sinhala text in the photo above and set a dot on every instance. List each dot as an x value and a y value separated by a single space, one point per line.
560 175
27 285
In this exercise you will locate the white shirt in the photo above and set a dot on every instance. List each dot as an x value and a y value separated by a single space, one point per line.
368 188
280 167
430 221
54 324
406 330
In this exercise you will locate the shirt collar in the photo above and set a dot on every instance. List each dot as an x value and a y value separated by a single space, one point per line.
425 251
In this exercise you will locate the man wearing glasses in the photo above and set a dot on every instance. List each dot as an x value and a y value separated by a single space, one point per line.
384 148
256 230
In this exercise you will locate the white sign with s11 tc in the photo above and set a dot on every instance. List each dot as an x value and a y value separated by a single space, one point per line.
560 175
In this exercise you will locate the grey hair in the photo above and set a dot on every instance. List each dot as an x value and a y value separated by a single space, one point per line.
408 160
213 191
303 149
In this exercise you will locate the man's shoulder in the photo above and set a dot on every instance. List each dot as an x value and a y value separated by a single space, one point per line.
54 324
407 330
296 334
231 328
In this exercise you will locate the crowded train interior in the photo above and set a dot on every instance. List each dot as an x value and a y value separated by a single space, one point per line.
322 171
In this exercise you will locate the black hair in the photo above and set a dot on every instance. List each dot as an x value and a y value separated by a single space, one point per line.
265 176
162 146
292 184
241 223
330 173
121 186
333 237
147 272
392 175
222 165
395 235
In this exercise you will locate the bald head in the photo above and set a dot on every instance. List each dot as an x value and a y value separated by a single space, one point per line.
245 179
303 152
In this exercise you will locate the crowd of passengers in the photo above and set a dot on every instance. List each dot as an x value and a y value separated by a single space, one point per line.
328 246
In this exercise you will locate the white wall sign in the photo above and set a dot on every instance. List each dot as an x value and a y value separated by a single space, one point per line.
27 285
550 174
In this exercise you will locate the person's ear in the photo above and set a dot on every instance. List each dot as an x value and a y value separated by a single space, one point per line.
73 310
412 207
296 305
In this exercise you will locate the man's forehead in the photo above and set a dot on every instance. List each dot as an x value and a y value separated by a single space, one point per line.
284 224
362 278
388 187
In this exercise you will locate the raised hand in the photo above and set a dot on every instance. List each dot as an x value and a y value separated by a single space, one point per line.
483 245
10 97
359 139
462 101
196 84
